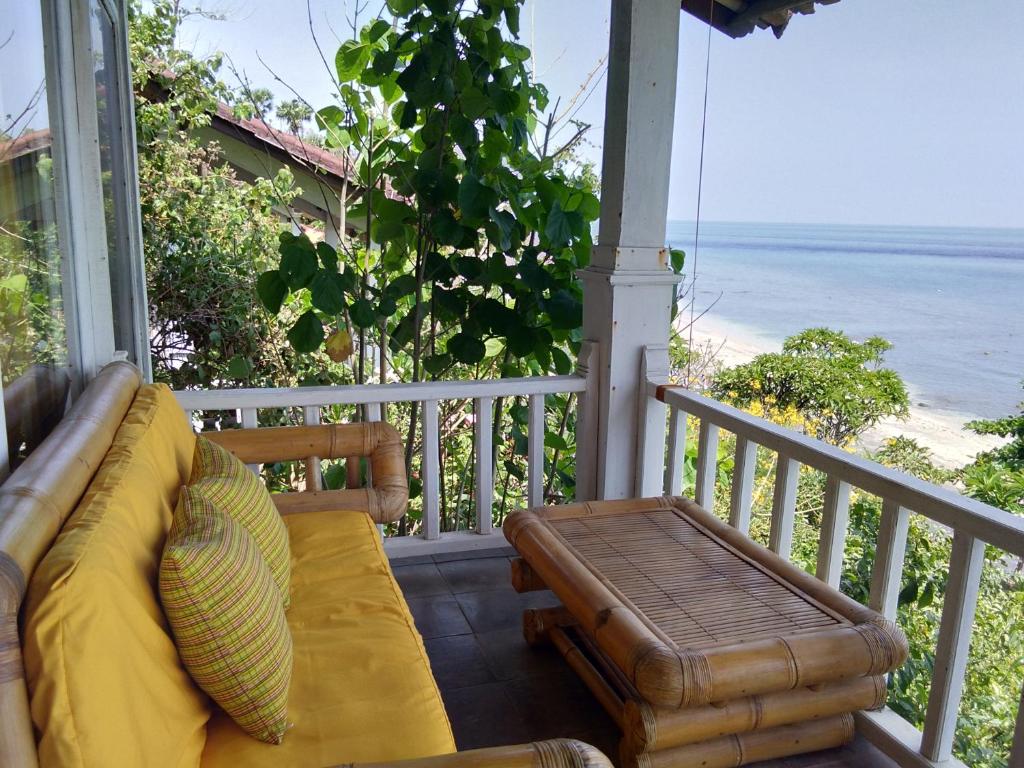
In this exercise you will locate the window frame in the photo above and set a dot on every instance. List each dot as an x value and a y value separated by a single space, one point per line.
78 194
81 219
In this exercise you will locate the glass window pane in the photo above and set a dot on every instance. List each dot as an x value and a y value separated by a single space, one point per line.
33 345
112 166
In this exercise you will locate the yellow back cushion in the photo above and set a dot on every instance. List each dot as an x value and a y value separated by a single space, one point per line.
107 686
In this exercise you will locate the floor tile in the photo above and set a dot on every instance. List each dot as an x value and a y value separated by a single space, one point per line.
509 657
475 554
458 662
438 616
483 716
477 575
420 580
411 560
557 706
501 608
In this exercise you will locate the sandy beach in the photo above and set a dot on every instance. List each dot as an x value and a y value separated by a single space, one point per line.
939 430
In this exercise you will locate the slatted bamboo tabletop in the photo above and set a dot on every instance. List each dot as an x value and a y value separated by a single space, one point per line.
686 583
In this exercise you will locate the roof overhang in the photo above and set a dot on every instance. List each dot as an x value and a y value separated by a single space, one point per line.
737 18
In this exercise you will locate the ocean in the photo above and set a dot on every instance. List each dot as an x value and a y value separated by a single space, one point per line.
951 300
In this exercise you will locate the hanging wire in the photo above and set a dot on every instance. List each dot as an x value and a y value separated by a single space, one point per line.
700 186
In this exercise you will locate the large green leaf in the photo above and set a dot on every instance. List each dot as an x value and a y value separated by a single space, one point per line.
563 365
272 289
475 198
503 230
328 292
351 59
557 230
402 7
466 349
564 310
298 266
362 313
328 256
307 334
239 368
520 340
446 230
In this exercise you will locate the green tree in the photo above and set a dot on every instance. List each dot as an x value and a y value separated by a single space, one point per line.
997 476
294 114
837 385
475 227
206 235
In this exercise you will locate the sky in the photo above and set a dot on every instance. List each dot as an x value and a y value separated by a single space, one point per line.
868 112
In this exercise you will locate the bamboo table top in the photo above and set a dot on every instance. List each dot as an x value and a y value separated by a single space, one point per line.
684 581
692 611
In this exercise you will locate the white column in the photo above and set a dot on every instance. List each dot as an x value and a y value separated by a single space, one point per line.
629 287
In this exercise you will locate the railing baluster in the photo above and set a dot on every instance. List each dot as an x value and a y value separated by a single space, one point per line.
951 651
373 413
889 554
314 478
787 476
249 421
742 484
1017 752
535 451
430 470
707 465
676 452
835 518
484 469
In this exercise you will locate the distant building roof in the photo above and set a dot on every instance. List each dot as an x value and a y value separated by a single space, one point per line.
26 143
737 18
288 148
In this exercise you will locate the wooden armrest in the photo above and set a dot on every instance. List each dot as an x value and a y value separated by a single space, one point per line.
556 753
385 502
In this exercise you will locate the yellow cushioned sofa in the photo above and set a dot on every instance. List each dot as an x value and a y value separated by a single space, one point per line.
89 674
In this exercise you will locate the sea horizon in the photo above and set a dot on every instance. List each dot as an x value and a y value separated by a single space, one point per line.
947 298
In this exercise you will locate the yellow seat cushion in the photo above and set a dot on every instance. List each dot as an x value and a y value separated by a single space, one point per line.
229 484
226 614
361 688
107 687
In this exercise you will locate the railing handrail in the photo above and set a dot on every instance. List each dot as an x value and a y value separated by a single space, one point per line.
942 505
362 394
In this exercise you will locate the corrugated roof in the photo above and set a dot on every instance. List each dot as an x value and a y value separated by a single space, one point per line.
737 18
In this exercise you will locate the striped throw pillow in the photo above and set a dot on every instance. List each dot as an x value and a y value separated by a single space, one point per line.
228 483
226 615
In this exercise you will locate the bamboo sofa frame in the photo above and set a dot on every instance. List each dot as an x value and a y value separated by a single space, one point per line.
41 494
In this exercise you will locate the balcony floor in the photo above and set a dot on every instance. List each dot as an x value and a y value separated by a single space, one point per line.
498 690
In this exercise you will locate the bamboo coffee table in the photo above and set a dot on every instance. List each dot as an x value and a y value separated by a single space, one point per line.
706 648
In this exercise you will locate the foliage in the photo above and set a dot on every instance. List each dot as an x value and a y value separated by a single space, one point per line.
996 666
206 235
31 309
294 114
836 384
997 476
480 237
473 231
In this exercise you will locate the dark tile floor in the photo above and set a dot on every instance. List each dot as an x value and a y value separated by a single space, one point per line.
498 690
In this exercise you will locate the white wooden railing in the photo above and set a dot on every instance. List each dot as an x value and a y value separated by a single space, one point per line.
973 524
248 402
